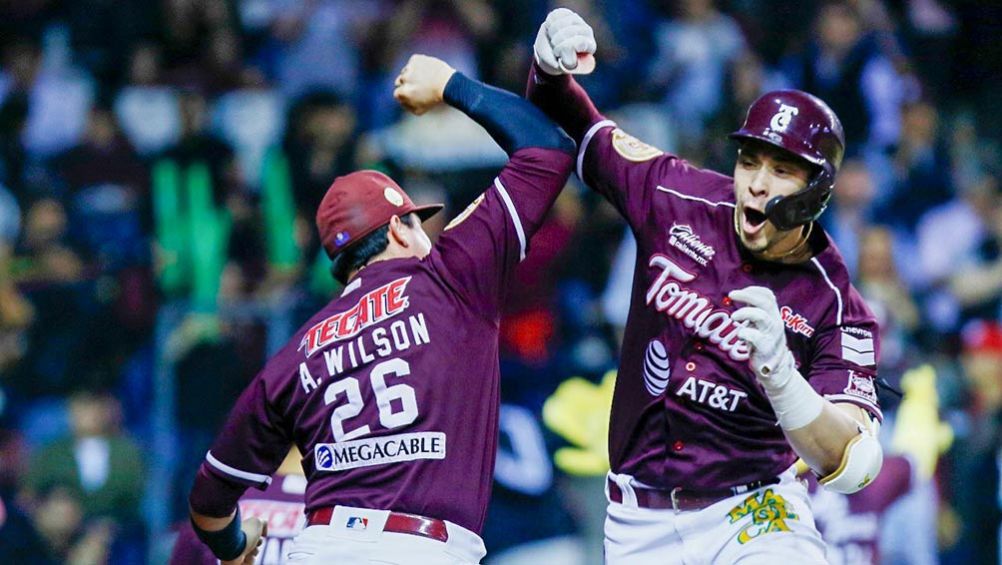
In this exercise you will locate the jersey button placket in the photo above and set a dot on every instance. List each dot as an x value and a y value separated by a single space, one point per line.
690 366
679 445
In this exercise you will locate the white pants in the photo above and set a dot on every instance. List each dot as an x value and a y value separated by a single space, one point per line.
772 524
339 543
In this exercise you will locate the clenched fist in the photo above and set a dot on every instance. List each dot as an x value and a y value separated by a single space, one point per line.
565 44
421 83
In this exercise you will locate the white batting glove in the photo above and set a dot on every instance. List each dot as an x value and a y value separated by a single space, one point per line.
796 404
764 333
562 36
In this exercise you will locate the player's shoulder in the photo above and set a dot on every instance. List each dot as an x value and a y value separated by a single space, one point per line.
846 306
697 189
622 149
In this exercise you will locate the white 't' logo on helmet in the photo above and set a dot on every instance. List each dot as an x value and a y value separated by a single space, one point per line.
782 118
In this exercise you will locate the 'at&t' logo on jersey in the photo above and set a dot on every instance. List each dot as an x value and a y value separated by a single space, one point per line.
695 311
797 323
377 305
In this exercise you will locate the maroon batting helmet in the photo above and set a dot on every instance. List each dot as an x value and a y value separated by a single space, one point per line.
804 125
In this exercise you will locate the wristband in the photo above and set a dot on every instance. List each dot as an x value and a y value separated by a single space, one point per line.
794 401
226 544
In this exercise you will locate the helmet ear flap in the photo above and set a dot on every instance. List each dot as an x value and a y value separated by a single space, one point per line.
788 212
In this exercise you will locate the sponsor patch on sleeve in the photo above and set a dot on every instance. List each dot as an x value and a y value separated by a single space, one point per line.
631 148
857 347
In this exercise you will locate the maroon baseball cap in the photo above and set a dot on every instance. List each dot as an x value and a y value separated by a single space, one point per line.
360 203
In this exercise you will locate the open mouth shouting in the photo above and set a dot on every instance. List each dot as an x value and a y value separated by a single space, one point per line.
752 220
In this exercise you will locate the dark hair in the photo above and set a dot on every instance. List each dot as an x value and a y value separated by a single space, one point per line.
356 256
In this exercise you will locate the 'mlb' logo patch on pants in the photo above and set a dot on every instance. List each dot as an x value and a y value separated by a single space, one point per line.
769 513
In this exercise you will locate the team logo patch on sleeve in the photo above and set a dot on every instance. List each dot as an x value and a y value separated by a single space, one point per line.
861 386
631 148
857 347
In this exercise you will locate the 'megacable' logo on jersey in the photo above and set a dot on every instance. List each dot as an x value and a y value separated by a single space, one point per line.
797 323
688 242
694 310
377 305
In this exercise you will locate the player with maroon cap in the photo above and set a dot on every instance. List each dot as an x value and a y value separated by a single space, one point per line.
743 317
391 390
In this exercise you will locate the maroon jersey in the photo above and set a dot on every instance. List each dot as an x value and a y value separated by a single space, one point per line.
280 506
850 524
391 391
688 410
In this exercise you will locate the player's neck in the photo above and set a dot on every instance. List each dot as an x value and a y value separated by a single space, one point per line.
795 248
392 251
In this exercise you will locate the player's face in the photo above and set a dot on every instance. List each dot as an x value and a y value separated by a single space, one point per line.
763 172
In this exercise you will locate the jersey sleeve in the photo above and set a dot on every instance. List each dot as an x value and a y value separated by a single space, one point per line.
623 169
628 172
479 249
844 367
248 450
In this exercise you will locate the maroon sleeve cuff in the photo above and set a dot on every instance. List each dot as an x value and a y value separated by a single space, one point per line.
563 100
213 496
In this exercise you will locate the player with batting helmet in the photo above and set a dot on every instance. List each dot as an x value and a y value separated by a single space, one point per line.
742 317
391 390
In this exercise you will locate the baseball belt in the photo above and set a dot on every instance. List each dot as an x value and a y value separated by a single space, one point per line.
396 522
683 500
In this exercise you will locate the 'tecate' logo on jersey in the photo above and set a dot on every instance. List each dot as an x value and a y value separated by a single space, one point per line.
377 305
685 240
783 116
695 311
795 322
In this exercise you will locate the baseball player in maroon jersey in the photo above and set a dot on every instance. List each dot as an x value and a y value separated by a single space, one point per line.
746 345
391 390
280 506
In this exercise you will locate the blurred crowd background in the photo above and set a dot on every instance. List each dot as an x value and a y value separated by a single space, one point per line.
161 163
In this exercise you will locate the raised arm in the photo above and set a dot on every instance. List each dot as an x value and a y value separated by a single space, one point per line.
623 169
480 248
426 82
561 38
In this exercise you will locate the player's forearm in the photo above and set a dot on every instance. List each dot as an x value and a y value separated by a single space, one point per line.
822 442
210 523
563 100
512 122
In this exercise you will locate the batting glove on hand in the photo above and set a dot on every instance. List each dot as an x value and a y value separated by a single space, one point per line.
562 36
765 334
